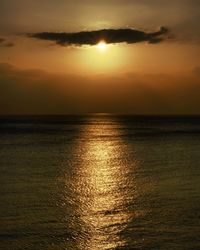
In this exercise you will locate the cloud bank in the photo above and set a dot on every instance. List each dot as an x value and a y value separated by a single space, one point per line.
129 36
40 92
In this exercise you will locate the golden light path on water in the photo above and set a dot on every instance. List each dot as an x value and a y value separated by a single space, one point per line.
101 188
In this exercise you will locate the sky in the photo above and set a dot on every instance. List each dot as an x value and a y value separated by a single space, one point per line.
147 61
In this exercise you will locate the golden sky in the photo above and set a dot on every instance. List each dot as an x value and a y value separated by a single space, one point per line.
147 62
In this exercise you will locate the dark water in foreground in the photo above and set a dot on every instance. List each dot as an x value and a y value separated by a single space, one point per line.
99 182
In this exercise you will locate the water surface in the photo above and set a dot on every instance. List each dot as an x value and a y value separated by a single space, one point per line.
99 182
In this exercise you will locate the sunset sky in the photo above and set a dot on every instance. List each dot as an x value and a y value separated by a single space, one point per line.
148 61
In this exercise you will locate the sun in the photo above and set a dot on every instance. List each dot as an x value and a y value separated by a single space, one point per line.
102 45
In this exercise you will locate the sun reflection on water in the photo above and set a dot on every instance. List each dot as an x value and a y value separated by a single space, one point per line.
99 189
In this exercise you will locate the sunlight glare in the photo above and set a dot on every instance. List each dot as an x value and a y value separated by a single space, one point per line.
101 45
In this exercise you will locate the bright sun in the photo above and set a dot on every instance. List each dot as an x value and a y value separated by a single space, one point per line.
101 45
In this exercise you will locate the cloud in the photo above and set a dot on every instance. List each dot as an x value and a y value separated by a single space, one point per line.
2 40
108 35
5 43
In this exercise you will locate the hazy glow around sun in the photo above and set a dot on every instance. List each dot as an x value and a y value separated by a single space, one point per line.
102 45
101 58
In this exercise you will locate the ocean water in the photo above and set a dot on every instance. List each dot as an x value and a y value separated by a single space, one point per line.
98 182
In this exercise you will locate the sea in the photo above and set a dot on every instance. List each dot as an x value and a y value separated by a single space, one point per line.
99 182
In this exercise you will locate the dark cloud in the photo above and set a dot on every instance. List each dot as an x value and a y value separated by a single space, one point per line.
182 16
108 35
